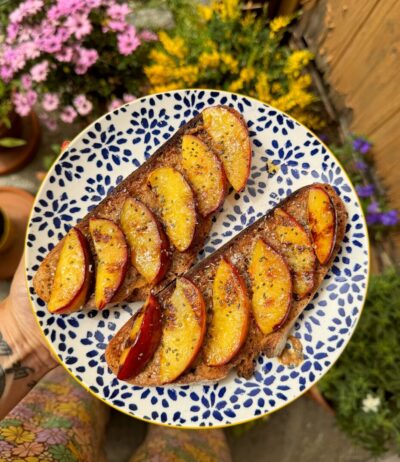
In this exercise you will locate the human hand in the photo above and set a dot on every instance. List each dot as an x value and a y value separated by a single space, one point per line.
24 354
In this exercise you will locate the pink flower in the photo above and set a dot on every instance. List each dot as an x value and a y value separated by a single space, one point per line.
26 81
51 124
50 102
128 98
68 115
86 58
117 26
31 97
128 41
79 25
39 71
21 104
65 55
115 104
5 448
30 50
12 32
148 36
51 44
6 73
118 12
82 105
25 9
53 436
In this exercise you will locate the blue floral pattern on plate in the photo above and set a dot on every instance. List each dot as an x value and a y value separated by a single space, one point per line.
286 156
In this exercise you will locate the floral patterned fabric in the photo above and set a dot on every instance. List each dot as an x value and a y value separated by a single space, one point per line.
164 444
57 421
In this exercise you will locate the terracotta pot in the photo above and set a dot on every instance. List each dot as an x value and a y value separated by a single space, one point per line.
6 231
15 129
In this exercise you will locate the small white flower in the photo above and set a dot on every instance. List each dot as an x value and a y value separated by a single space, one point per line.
371 403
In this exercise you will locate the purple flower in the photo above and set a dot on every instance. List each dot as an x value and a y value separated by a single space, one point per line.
373 207
365 191
361 145
360 165
52 436
390 218
373 218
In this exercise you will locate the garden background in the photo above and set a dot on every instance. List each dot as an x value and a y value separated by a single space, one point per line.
333 65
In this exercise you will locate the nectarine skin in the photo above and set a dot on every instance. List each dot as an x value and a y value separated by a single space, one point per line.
144 344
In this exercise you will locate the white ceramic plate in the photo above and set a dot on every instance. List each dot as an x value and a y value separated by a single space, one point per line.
117 143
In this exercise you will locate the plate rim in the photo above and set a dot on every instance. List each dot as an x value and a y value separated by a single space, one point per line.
190 427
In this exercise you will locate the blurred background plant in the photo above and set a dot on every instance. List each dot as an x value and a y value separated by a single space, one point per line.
356 156
363 387
71 59
223 46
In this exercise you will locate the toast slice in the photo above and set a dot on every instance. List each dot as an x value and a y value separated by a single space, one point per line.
238 251
135 185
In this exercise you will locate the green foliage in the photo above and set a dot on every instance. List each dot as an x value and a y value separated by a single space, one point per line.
9 142
370 366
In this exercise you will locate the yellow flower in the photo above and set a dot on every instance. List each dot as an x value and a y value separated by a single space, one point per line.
158 74
209 59
247 74
174 46
188 74
205 12
236 85
17 434
262 86
161 58
297 61
276 87
230 62
226 9
279 23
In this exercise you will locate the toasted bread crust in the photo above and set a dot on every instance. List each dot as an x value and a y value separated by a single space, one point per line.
238 251
135 185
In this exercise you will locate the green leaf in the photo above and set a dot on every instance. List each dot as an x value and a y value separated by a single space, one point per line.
62 453
11 142
10 423
57 422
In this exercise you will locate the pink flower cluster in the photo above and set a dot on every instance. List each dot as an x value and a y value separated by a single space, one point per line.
35 46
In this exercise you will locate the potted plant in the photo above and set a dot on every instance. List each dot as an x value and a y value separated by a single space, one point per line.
72 59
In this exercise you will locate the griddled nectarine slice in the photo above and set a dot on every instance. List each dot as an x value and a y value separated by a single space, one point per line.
184 330
144 338
297 249
322 220
271 286
112 259
72 277
230 315
231 140
204 171
147 240
177 205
